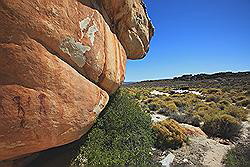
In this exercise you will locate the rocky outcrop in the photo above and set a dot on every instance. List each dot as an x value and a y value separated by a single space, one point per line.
193 132
73 32
130 22
44 102
59 60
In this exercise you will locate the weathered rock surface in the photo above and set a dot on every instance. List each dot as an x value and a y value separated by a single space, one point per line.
193 132
130 21
44 102
72 31
59 60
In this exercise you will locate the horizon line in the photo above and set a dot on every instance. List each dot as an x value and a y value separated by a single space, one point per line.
171 77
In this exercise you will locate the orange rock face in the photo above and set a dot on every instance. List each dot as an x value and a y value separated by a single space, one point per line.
44 102
130 21
59 60
74 32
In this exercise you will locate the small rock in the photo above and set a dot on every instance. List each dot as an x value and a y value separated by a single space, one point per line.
225 142
167 160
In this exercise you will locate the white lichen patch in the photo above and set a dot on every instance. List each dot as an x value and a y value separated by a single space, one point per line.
91 33
100 106
84 23
88 29
75 50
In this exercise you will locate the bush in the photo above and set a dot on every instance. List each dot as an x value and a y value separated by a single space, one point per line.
184 88
238 156
188 118
243 102
122 136
213 90
169 134
182 106
212 104
168 109
247 93
166 98
169 105
236 112
154 106
157 104
212 98
203 110
224 126
239 98
223 104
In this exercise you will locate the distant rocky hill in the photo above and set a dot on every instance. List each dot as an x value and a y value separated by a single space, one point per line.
212 76
217 80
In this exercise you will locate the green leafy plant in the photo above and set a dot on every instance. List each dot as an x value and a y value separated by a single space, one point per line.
237 112
213 91
212 98
238 156
224 126
243 102
122 136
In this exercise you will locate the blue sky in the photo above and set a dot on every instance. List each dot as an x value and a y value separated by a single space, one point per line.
195 36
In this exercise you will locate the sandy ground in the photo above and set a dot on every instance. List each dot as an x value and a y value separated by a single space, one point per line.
203 151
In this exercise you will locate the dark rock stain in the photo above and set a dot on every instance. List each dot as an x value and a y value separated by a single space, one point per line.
20 110
42 103
29 100
1 104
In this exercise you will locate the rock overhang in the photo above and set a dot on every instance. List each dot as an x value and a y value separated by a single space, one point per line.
66 57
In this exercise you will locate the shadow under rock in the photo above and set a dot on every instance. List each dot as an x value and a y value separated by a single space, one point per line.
60 156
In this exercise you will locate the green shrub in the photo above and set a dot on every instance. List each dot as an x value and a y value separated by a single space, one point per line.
182 105
184 88
147 101
169 134
169 105
212 98
187 118
158 103
213 91
166 98
122 136
243 102
204 110
201 106
238 156
224 126
154 106
247 93
239 98
191 99
138 95
223 104
212 104
236 112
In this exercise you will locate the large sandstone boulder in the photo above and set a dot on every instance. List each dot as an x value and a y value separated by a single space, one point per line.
44 102
59 60
130 21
